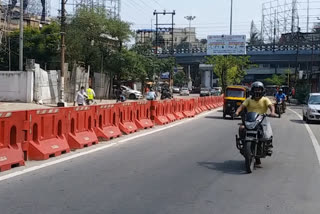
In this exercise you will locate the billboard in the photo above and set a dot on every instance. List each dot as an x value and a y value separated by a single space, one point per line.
226 45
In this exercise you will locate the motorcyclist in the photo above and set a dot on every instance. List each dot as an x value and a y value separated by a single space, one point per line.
260 104
281 97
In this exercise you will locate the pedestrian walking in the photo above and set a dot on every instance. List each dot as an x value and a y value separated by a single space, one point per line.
80 97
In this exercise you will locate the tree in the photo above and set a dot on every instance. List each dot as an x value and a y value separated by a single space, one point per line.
254 35
276 80
85 36
229 69
180 79
39 44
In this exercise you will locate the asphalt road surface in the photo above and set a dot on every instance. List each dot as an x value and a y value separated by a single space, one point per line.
191 168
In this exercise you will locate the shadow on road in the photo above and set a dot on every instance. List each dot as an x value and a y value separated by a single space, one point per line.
298 121
235 167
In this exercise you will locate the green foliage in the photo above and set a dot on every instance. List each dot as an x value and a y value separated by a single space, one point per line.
39 44
302 90
276 80
229 69
180 79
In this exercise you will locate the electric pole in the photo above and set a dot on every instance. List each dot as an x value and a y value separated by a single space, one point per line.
231 13
21 37
61 102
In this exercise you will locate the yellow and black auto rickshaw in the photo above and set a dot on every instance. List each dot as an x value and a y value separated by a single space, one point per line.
233 98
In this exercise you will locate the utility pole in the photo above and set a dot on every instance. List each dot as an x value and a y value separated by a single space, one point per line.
231 14
21 37
297 57
190 19
61 102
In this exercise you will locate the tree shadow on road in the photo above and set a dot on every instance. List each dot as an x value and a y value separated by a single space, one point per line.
235 167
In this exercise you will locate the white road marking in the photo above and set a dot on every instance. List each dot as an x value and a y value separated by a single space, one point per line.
82 153
313 138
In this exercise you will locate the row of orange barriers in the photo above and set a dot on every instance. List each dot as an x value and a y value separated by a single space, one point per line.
45 133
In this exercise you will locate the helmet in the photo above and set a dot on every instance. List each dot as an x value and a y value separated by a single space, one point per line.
254 87
280 90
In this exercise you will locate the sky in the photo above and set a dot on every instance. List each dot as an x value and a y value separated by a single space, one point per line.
212 16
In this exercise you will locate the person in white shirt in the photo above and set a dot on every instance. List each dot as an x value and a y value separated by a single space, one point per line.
151 95
81 97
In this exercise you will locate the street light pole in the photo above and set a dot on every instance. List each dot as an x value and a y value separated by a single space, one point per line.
231 14
190 19
21 37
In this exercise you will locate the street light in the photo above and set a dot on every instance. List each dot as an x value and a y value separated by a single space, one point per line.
190 19
231 13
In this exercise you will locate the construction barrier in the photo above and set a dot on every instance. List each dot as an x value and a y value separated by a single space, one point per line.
169 110
127 117
197 108
13 129
209 103
81 127
143 115
107 117
47 135
188 107
178 108
203 104
158 113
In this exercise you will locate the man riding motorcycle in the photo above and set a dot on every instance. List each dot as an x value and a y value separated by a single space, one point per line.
280 98
260 104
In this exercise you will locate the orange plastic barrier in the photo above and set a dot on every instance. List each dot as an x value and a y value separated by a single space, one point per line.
188 108
197 108
107 126
47 133
12 139
158 113
169 110
178 108
81 127
209 103
203 104
143 115
127 117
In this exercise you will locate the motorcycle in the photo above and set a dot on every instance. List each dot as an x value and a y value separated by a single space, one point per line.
165 95
254 146
279 108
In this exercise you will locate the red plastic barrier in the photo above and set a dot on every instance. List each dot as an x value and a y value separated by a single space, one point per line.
158 113
81 127
208 103
214 102
188 108
197 108
12 139
169 110
178 108
127 117
143 115
107 117
47 133
202 104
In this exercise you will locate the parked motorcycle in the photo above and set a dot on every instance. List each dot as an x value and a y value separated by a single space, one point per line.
254 146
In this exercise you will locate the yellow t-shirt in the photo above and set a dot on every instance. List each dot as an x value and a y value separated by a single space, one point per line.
260 106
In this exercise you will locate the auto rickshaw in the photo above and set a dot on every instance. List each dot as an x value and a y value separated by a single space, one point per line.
233 98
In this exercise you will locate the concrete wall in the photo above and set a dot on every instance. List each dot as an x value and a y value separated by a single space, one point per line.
102 85
45 85
16 86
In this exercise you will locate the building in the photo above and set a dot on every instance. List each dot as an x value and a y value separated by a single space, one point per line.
180 36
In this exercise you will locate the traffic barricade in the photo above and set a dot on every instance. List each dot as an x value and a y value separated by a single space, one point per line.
127 117
202 104
178 108
143 115
169 110
47 135
81 127
197 108
209 103
188 108
13 128
107 117
214 102
158 114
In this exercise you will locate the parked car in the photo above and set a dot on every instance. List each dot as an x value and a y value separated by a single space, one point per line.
205 92
184 92
175 89
311 109
130 93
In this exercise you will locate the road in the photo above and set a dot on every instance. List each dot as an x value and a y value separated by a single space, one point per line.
191 168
